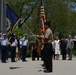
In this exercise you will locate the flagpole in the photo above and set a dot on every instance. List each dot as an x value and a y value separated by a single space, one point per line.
2 16
16 23
32 33
5 1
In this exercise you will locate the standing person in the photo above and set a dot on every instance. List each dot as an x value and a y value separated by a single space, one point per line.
4 43
53 44
63 44
57 47
20 48
13 42
24 48
33 51
47 50
0 44
70 46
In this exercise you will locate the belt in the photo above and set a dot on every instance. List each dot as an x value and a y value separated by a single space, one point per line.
4 45
13 46
24 46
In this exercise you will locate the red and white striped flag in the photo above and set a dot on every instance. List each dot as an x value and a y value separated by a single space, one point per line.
42 14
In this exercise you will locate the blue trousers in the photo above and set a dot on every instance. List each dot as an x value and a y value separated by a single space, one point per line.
24 50
4 53
13 53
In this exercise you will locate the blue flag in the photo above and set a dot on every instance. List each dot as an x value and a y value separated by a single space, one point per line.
11 16
11 19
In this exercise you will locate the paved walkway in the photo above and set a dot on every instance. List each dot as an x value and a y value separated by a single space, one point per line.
60 67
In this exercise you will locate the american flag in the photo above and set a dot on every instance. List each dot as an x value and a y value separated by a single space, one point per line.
42 14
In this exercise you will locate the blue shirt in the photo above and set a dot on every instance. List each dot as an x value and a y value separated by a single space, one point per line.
4 42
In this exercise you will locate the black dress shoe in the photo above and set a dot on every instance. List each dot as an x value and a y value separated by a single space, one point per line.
47 71
13 61
4 62
63 59
43 65
24 60
44 68
69 59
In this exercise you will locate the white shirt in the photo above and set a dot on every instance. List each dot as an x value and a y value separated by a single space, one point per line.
20 41
14 43
24 42
53 44
4 42
0 39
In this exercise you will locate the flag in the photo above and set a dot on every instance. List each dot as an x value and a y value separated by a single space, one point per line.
11 17
41 28
11 20
42 14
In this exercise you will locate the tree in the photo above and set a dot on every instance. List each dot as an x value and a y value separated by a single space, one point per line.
62 17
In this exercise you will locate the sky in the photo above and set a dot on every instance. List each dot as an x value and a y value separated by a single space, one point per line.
72 6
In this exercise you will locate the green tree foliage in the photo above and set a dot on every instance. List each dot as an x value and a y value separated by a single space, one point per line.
19 31
62 17
61 13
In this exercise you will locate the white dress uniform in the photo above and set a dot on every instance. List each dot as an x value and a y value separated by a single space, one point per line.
14 43
25 42
24 48
20 41
13 50
4 43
